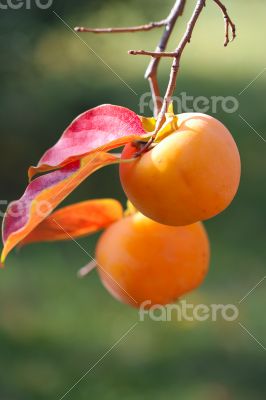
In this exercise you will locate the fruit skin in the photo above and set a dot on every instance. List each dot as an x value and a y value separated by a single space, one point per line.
141 260
191 175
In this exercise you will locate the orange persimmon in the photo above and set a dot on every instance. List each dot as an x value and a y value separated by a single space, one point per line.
191 175
141 260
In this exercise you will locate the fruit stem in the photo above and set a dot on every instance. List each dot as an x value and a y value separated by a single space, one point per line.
87 269
130 210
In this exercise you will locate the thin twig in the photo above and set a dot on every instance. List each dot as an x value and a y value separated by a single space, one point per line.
139 28
87 269
228 23
176 63
151 72
155 54
161 107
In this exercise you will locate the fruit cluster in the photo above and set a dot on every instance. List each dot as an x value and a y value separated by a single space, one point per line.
158 250
190 176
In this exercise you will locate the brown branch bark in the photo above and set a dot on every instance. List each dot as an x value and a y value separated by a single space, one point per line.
154 54
152 70
176 63
132 29
228 23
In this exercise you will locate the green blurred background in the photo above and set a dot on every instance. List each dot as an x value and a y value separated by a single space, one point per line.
54 327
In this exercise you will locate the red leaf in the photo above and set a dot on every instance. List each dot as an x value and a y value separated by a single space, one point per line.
100 129
77 220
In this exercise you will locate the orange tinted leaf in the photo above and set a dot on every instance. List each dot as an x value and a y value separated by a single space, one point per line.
44 194
77 220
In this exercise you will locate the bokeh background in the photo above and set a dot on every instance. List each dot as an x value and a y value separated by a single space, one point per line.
54 327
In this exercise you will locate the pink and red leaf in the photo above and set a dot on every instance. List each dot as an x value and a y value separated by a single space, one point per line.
81 150
102 128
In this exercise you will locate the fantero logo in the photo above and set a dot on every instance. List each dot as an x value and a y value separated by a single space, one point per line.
184 311
26 4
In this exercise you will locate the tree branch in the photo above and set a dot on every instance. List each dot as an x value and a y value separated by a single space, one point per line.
228 23
176 63
154 54
161 107
132 29
151 72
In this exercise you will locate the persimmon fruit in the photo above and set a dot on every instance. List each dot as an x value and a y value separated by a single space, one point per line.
141 260
191 175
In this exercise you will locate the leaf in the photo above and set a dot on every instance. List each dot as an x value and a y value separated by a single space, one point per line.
77 220
170 124
148 123
44 194
100 129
